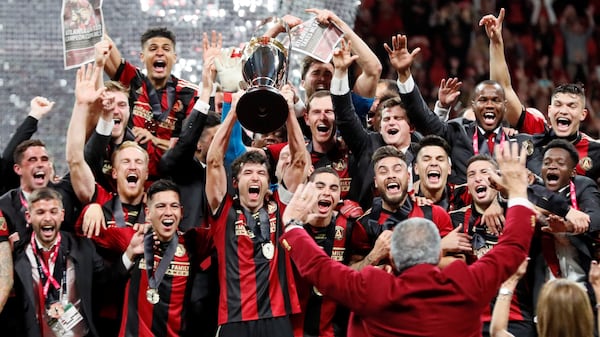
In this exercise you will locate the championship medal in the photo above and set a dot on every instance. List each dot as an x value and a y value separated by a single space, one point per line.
152 296
268 250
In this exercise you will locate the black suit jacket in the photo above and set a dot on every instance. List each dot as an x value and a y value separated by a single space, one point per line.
14 211
362 144
89 273
457 132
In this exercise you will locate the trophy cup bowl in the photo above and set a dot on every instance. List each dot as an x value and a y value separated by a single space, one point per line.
262 108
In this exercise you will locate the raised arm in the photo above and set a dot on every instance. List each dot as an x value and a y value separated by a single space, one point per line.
216 175
86 99
107 53
366 83
39 107
499 68
499 323
346 119
297 172
419 114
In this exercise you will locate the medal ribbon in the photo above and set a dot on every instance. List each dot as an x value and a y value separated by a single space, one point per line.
262 231
154 279
119 215
573 196
156 102
476 140
43 268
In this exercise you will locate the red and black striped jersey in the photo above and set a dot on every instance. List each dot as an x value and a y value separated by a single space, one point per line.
185 95
377 219
252 285
142 318
338 240
521 306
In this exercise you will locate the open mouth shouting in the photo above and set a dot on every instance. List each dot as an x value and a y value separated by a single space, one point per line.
552 180
433 176
168 223
392 131
254 192
324 205
481 191
489 118
160 66
39 177
48 231
323 129
392 187
563 124
132 179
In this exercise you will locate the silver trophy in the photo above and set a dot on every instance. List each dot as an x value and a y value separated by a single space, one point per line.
265 62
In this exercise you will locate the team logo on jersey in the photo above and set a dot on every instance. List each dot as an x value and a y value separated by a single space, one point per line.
106 167
339 165
339 232
586 163
2 224
180 251
178 106
528 146
271 207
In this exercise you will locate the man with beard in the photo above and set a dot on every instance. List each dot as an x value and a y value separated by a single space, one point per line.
257 290
55 273
395 129
482 240
129 174
566 252
393 206
433 168
159 101
565 112
34 168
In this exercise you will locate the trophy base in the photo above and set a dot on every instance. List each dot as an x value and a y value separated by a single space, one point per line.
262 109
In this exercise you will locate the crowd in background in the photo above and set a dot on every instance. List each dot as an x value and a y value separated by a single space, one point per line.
547 43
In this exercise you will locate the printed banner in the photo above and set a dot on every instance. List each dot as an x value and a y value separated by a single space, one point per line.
83 27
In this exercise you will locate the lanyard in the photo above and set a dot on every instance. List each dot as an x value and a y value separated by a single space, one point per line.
44 270
573 196
476 140
154 279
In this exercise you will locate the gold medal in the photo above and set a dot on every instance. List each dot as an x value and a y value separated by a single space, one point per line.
152 296
268 250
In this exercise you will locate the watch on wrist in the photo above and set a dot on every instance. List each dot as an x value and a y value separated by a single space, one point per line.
294 222
505 292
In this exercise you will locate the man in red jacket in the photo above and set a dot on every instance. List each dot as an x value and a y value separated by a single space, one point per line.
421 299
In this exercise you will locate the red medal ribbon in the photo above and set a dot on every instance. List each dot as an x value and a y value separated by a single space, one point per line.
45 266
573 196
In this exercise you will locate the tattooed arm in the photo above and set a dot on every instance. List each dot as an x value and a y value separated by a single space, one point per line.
6 272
